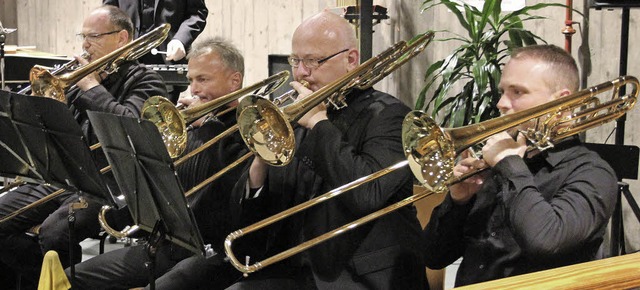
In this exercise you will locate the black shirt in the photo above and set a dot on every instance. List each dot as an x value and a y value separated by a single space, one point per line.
210 204
530 215
354 142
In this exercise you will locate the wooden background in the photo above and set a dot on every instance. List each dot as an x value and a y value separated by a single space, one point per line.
264 27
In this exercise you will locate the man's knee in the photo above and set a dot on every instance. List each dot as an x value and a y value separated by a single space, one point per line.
54 234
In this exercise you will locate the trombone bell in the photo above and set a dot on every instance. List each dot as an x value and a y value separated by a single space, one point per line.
266 130
44 83
429 150
172 126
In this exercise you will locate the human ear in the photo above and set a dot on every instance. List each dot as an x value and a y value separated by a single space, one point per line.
353 58
236 80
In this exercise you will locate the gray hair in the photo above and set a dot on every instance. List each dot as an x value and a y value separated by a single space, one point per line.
230 55
119 19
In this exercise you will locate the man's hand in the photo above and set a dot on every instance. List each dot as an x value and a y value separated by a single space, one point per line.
257 173
313 116
502 145
463 191
190 102
91 80
175 50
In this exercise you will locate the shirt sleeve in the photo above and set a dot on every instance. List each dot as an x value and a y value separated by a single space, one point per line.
140 87
570 218
194 22
340 161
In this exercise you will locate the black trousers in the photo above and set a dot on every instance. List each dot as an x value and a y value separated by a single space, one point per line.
175 268
24 253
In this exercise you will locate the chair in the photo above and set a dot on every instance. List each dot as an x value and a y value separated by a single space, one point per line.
425 206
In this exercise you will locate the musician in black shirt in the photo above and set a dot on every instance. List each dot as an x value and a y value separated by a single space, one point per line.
215 69
532 211
106 29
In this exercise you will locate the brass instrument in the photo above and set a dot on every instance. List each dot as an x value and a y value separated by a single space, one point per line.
289 96
45 84
68 66
171 123
431 153
266 129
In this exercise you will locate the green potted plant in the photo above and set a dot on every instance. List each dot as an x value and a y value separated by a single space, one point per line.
475 66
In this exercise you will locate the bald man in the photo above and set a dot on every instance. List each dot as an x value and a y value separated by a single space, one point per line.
335 146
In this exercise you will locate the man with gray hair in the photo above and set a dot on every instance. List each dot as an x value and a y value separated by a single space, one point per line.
216 68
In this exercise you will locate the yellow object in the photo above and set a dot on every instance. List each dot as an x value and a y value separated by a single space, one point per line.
52 276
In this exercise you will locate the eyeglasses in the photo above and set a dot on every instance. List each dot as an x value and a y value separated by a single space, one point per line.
311 63
91 37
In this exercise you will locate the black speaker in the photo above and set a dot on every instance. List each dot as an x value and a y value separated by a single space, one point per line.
278 63
597 4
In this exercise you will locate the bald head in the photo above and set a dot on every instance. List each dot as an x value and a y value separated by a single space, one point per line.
330 41
329 28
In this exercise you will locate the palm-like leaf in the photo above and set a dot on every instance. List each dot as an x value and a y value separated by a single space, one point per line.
476 64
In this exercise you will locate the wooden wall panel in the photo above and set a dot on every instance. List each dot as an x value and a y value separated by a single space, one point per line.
9 20
263 27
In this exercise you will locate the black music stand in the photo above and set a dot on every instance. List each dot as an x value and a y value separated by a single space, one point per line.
624 161
42 143
146 176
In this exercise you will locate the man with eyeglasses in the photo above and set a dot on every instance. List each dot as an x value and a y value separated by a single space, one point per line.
335 145
123 92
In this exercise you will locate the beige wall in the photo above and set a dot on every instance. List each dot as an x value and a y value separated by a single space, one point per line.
263 27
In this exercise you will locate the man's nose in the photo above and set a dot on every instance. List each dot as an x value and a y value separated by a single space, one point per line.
503 104
301 71
195 88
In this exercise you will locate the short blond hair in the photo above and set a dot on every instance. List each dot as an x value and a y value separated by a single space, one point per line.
564 70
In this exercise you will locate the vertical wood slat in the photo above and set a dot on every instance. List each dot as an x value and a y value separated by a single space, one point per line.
8 17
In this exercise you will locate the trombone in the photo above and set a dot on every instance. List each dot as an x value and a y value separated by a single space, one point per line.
431 153
172 124
45 84
266 129
68 66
